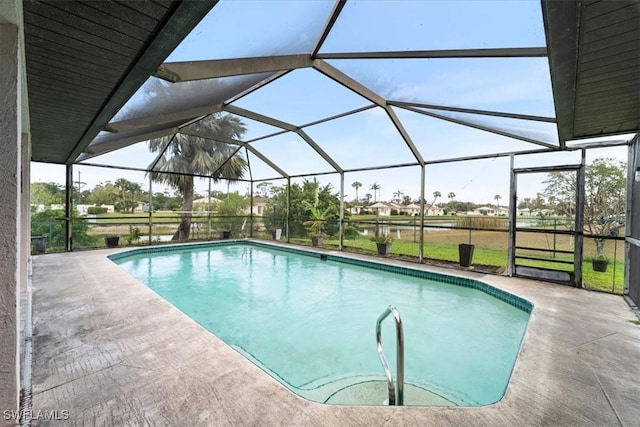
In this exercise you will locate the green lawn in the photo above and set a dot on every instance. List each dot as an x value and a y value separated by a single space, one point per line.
491 257
439 244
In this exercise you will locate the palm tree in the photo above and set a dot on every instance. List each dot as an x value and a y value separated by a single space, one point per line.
397 196
376 188
451 196
436 194
497 198
188 155
356 185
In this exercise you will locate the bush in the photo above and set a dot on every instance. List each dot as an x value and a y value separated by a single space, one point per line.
51 223
95 210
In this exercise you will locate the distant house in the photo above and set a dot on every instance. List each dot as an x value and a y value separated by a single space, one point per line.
382 208
433 210
484 210
202 204
490 211
355 209
259 205
410 210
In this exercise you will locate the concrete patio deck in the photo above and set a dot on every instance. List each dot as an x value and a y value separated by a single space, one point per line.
112 352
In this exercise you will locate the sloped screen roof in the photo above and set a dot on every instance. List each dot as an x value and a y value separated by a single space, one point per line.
333 87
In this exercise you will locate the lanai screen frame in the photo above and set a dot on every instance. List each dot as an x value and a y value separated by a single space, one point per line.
122 133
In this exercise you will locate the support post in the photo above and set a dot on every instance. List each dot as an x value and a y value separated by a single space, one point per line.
150 209
422 204
340 226
68 208
288 207
251 213
513 203
209 211
579 233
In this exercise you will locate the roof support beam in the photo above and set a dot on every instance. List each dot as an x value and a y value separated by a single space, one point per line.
273 77
337 8
259 117
283 125
407 139
519 52
341 78
346 81
200 70
239 143
319 150
337 116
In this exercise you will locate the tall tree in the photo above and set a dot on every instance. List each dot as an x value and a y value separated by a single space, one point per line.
127 194
47 193
356 185
436 194
264 188
604 201
451 196
497 198
376 188
188 155
397 196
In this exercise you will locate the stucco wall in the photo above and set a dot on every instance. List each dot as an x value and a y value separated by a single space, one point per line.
10 207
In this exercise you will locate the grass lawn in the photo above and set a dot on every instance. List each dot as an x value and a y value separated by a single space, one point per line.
609 281
439 244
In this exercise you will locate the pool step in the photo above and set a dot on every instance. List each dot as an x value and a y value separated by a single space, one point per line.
369 390
374 392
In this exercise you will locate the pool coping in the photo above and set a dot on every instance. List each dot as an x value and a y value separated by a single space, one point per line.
111 351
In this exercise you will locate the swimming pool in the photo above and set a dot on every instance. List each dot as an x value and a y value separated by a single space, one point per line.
310 322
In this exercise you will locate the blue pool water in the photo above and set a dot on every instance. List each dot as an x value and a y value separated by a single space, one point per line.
310 323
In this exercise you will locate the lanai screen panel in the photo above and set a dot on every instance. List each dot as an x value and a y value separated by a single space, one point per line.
543 131
198 156
259 170
426 25
256 129
302 96
292 154
136 156
511 85
438 139
158 97
240 29
362 140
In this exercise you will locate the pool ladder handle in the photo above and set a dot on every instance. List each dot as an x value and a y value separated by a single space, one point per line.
399 356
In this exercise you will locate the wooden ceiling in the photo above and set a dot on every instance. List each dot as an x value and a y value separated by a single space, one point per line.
86 58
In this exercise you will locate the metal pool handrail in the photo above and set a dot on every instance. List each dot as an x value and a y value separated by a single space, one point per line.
399 356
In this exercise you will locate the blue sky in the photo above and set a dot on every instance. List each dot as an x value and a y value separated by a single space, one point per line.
243 28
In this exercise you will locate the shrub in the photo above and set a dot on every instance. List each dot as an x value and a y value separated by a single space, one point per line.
95 210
